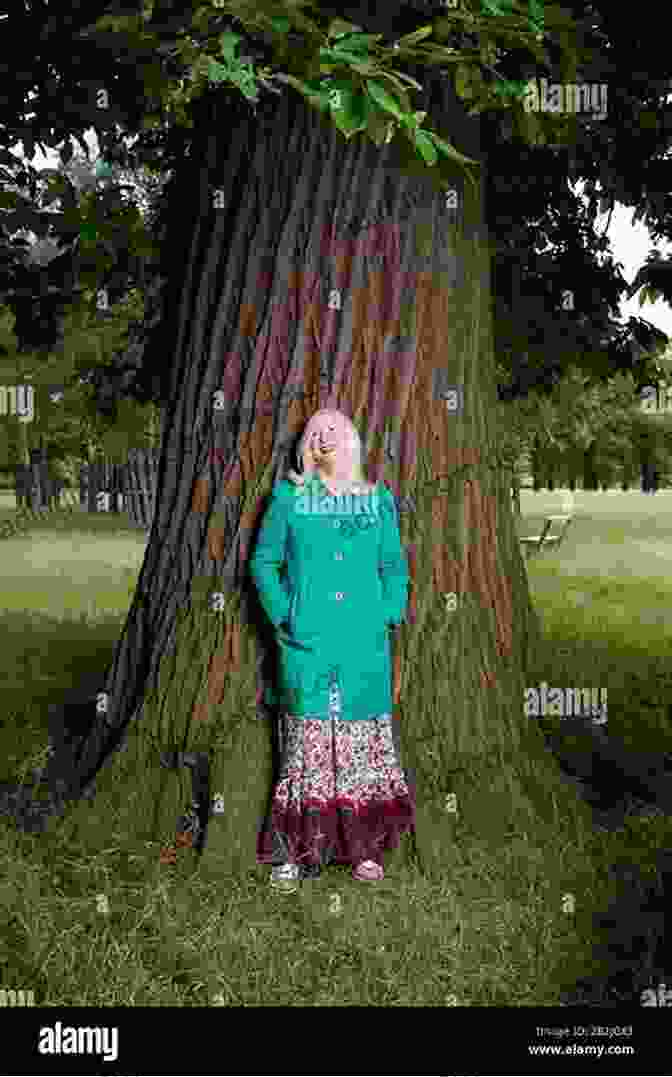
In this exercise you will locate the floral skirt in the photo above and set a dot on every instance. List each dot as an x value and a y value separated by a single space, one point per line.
341 795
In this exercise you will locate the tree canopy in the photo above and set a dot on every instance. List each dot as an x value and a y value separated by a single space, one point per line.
556 288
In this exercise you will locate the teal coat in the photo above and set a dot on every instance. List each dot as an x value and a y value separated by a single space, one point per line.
346 584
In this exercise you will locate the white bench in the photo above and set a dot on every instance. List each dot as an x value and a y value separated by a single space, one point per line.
554 530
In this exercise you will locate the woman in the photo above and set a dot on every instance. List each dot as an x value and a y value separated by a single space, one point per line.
341 795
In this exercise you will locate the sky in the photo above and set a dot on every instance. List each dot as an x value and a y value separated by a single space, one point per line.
630 243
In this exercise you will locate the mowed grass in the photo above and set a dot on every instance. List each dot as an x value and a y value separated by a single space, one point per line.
120 929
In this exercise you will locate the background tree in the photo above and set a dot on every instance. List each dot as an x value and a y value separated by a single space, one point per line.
67 422
596 431
80 428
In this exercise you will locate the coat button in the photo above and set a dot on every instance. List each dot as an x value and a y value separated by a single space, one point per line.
339 596
338 556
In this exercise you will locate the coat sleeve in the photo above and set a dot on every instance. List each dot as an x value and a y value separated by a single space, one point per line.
269 557
393 566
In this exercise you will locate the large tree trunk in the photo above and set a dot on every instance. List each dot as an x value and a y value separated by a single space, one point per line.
140 487
328 277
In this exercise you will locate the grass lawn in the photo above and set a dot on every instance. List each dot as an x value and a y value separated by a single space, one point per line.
118 929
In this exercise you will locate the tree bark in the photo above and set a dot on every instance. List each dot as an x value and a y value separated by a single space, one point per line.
140 487
334 274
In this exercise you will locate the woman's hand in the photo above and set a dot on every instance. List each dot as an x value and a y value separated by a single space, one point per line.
294 477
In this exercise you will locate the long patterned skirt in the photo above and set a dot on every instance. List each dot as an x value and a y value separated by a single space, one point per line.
341 796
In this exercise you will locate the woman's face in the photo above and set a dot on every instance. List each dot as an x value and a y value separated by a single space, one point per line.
328 442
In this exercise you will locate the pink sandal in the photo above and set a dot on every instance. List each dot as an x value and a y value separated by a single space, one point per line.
368 871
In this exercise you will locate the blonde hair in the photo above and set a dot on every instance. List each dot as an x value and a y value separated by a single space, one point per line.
305 463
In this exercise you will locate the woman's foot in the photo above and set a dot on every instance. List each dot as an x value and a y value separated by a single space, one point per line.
368 871
285 877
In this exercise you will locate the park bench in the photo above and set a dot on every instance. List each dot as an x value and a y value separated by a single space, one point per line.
554 530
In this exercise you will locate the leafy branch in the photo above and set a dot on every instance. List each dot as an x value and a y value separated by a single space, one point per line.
343 71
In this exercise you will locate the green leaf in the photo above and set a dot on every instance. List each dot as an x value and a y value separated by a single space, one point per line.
408 79
346 104
414 119
505 88
449 151
412 39
400 93
347 123
227 44
341 28
365 69
463 87
279 22
357 42
379 94
492 8
378 128
340 56
361 107
308 89
535 10
217 72
88 231
315 93
426 146
404 100
345 107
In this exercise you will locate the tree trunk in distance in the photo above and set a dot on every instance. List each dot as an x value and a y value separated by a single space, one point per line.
332 273
537 465
590 480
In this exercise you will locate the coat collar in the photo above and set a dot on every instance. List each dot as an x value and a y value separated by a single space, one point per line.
355 488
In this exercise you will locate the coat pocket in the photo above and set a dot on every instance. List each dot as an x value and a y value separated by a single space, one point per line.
299 611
